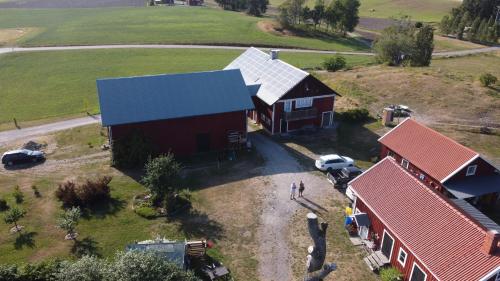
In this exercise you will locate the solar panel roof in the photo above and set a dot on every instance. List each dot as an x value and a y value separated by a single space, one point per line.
275 76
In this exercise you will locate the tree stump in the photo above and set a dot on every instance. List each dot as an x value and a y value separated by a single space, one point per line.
317 252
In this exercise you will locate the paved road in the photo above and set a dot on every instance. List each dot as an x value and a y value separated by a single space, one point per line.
25 133
65 48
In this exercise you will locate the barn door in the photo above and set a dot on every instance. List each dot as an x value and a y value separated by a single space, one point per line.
387 243
203 142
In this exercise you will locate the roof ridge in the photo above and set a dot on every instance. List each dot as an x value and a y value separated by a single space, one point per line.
439 197
282 61
167 74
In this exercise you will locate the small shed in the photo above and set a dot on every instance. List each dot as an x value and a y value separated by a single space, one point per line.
172 251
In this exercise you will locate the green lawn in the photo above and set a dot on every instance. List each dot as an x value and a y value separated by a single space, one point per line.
55 85
422 10
175 25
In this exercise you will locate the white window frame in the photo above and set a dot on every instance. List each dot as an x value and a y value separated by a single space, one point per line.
403 263
413 269
303 102
403 163
474 168
288 106
390 153
393 242
497 278
422 176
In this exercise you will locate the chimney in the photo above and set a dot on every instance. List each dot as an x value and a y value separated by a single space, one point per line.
274 54
490 245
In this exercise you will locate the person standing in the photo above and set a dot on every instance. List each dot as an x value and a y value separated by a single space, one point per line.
301 188
293 188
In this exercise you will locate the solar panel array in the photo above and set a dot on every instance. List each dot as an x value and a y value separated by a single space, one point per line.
275 76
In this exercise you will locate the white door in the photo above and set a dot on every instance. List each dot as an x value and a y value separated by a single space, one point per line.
326 119
363 232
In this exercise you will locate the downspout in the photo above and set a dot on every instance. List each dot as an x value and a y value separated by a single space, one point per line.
272 126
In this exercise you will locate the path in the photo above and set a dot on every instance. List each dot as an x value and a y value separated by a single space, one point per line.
277 208
66 48
24 133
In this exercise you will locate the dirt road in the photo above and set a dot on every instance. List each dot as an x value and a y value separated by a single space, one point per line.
274 237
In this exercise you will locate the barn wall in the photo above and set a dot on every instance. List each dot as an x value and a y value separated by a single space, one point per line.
378 228
483 169
309 87
322 104
179 135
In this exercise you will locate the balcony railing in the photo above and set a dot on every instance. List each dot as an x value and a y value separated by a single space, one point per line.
301 114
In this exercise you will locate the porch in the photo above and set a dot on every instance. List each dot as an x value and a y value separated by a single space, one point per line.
301 114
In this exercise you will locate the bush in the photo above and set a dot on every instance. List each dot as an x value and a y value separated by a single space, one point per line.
84 195
3 205
131 151
161 176
8 272
335 63
390 274
18 195
35 191
146 212
487 79
357 115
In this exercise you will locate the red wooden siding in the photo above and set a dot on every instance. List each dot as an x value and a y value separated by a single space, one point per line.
322 104
483 169
179 135
309 87
378 227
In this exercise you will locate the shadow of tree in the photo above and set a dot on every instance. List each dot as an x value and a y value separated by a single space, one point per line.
195 224
25 239
86 247
105 208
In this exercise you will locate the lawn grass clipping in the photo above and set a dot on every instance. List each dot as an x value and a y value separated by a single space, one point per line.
60 84
155 25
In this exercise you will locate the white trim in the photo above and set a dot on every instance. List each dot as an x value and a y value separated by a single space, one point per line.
407 163
459 168
303 102
382 243
413 269
497 278
313 97
330 121
393 128
471 173
272 120
288 102
491 274
399 255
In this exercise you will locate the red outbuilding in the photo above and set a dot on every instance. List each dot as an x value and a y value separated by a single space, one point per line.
286 98
421 232
182 113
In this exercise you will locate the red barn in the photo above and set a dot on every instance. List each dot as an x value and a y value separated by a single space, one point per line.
422 233
442 163
286 98
183 113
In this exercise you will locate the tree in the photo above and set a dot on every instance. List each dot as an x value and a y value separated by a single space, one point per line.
13 216
474 29
284 17
333 13
349 18
423 47
318 12
85 269
445 25
296 7
306 14
68 222
257 7
334 63
487 79
395 43
161 175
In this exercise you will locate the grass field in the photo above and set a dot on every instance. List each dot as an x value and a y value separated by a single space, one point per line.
174 25
55 85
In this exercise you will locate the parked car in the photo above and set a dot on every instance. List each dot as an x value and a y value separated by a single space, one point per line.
340 179
20 156
333 162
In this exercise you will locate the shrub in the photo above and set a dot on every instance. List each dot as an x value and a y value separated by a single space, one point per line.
43 271
146 212
13 216
86 194
357 115
334 63
87 268
161 176
487 79
8 272
179 202
18 195
3 205
390 274
35 191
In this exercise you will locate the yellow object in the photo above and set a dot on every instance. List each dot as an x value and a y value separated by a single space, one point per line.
348 211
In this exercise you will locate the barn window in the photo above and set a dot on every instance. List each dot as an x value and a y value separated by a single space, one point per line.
471 170
390 154
402 257
422 176
288 106
304 102
417 274
405 163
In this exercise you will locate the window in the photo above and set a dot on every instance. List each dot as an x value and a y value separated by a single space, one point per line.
422 176
402 257
405 163
471 170
498 277
417 274
304 102
390 154
288 106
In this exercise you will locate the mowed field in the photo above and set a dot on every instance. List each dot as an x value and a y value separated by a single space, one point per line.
41 85
151 25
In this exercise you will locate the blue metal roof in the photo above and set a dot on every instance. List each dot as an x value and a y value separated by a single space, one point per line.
159 97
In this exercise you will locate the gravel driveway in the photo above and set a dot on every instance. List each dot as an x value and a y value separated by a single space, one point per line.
282 168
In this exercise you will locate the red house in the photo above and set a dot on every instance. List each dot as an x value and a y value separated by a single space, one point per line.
422 233
183 113
286 98
442 163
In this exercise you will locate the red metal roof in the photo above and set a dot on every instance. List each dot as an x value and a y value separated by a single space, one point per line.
435 154
437 233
